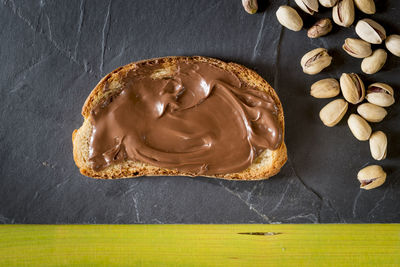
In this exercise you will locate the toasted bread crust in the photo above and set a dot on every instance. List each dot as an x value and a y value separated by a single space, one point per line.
266 165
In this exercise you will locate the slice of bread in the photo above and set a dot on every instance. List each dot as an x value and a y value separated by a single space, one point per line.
264 166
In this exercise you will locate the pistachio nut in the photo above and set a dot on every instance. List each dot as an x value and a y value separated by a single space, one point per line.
352 87
320 28
308 6
315 61
380 94
343 13
371 112
374 62
370 31
378 145
250 6
371 177
359 127
366 6
289 18
333 112
325 88
357 48
328 3
393 44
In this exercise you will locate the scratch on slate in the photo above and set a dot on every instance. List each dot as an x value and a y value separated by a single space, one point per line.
355 202
320 197
80 23
36 195
378 203
22 74
5 220
131 188
106 28
277 52
48 26
311 217
303 183
210 8
16 11
118 217
36 63
307 187
330 205
251 207
282 197
258 40
135 203
251 192
157 221
64 182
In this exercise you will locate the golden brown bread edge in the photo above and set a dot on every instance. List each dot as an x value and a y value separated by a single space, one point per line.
264 166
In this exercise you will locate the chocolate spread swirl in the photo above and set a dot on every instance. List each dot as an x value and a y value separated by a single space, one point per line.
200 120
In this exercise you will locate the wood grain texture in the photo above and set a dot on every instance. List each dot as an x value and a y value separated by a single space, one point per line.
200 245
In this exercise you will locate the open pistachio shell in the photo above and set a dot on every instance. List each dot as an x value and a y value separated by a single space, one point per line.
352 88
371 177
370 31
315 61
357 48
343 13
380 94
308 6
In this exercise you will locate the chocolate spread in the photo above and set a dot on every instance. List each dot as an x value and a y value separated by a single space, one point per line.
201 119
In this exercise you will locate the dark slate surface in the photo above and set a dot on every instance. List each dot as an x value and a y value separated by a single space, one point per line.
54 52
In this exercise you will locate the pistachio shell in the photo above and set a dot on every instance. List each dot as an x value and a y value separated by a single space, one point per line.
250 6
288 17
378 145
374 62
315 61
371 112
357 48
333 112
343 13
371 177
308 6
393 44
328 3
366 6
370 31
380 94
359 127
352 87
325 88
320 28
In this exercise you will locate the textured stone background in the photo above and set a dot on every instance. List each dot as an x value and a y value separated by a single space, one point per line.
54 52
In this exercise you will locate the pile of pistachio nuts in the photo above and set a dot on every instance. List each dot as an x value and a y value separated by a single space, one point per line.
378 95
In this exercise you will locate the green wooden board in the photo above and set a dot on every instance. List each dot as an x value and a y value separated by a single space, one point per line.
200 245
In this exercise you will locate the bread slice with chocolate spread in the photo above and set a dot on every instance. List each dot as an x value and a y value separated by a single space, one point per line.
267 163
